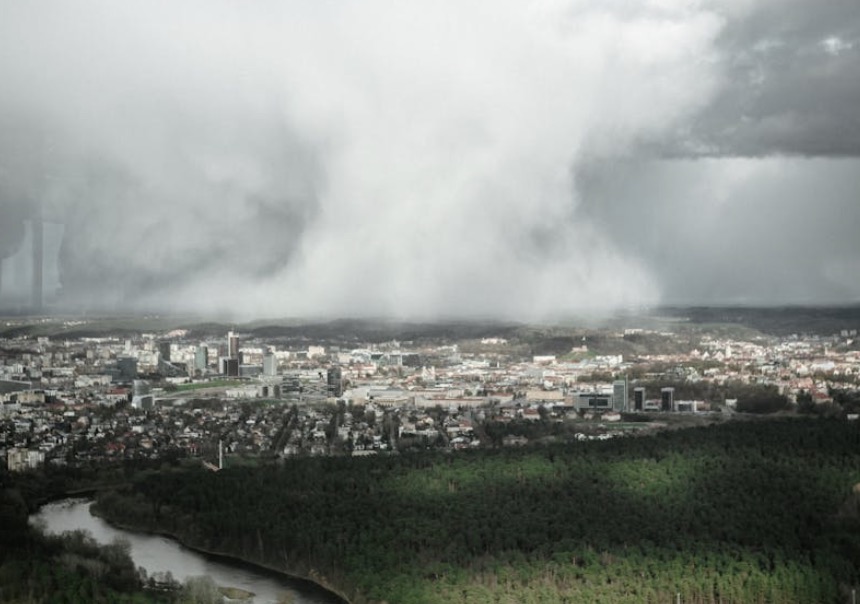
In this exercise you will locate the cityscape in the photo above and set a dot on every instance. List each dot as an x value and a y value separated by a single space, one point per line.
167 395
450 302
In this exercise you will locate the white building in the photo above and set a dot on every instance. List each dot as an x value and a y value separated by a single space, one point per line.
19 460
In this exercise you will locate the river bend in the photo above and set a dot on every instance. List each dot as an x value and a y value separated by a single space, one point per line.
158 554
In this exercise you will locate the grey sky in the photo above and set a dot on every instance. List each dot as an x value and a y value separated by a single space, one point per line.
511 159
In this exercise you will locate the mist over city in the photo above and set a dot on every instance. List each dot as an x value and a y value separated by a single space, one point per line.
472 159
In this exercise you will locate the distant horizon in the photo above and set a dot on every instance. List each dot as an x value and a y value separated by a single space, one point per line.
49 312
837 314
59 311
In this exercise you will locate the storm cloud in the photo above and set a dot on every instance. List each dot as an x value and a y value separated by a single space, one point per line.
430 159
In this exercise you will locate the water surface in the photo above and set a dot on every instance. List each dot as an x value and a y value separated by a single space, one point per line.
159 554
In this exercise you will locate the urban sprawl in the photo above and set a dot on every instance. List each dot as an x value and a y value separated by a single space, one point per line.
168 396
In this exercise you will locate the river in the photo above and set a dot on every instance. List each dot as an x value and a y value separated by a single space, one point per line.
159 554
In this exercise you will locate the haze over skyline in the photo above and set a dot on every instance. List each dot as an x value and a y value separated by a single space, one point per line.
497 159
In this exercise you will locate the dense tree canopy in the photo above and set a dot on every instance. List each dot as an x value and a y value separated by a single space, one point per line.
759 511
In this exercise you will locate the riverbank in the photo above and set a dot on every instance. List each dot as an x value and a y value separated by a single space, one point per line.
84 493
314 581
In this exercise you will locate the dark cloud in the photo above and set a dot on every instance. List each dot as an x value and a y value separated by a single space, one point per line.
791 83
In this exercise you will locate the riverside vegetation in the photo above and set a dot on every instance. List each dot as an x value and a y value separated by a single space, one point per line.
757 511
73 568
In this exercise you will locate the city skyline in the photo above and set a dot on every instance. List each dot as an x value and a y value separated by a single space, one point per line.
505 160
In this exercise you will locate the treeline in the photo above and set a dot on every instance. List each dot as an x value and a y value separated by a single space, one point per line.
744 512
73 568
69 568
847 401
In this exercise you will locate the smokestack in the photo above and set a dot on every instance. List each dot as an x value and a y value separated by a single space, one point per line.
38 253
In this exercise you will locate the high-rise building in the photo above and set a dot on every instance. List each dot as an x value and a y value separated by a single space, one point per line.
164 351
619 395
201 358
335 381
667 399
270 363
228 366
232 345
126 368
639 399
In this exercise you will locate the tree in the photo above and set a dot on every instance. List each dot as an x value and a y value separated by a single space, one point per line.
200 590
805 404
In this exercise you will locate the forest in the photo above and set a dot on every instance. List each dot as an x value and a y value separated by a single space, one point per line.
753 511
